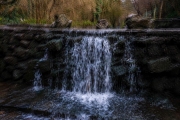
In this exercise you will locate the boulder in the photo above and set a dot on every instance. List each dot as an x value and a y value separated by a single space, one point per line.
17 74
10 60
137 22
54 45
14 41
22 65
102 24
119 70
61 21
159 65
21 52
24 43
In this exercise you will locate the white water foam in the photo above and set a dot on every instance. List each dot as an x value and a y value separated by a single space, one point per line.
97 98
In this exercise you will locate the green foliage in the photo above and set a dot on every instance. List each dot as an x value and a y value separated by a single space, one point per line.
98 9
10 17
35 13
111 10
83 24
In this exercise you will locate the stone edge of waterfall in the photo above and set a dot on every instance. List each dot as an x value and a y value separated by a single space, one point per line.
158 32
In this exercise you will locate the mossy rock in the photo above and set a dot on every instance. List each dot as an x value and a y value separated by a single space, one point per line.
119 70
54 45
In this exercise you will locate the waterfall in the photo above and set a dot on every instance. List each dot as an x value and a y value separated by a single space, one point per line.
37 82
91 60
133 70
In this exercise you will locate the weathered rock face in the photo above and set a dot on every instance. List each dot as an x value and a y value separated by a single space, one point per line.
61 21
21 51
135 21
102 24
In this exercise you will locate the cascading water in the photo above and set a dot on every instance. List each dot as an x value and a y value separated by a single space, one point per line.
133 71
91 61
37 84
89 65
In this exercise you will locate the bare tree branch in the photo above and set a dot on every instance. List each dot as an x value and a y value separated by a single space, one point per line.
136 6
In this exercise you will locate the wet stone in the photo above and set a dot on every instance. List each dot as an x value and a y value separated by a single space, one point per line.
41 47
33 44
14 41
24 43
19 36
22 65
10 60
17 74
119 70
54 45
159 65
20 52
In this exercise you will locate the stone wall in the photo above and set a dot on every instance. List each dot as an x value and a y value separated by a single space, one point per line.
156 53
21 51
159 60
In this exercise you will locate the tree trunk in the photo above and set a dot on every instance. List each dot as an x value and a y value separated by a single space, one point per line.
161 7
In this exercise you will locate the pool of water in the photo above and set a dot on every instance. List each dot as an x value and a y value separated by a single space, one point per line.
23 103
